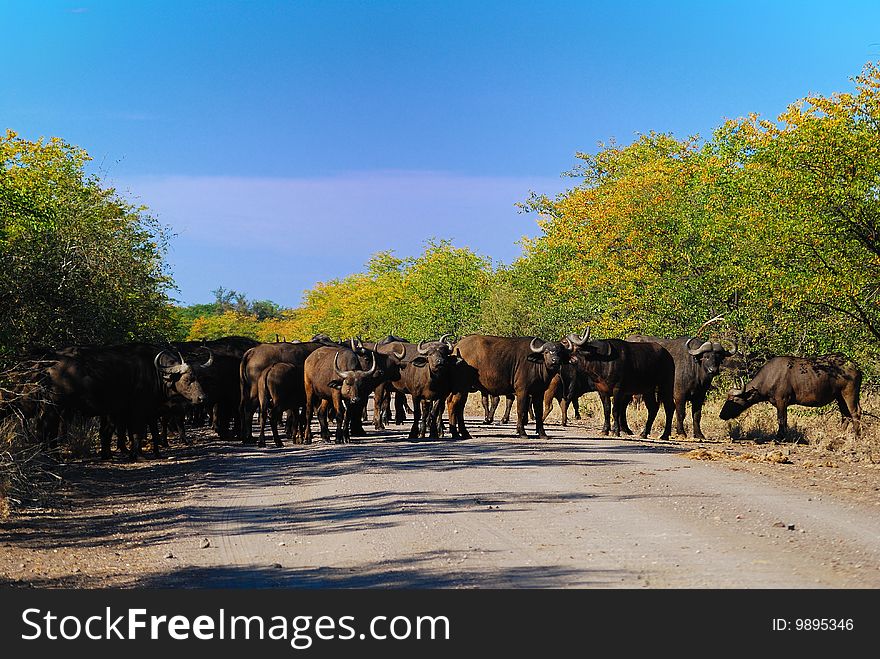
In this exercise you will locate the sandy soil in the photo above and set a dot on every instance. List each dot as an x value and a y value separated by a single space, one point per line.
578 510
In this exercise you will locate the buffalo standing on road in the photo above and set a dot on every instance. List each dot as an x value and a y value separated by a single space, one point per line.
128 386
334 376
500 366
696 364
620 369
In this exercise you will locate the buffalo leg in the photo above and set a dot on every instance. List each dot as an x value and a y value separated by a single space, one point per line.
310 411
522 414
508 405
624 427
417 429
782 418
400 407
378 408
490 404
274 418
105 432
537 404
680 411
606 413
455 410
697 415
850 397
341 413
563 406
355 425
618 410
650 400
577 408
323 414
669 409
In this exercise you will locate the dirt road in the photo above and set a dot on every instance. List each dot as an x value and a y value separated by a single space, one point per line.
494 511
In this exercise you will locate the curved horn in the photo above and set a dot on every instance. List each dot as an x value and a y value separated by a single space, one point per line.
372 368
705 347
422 350
156 360
567 343
402 352
533 348
342 374
210 361
353 346
707 323
443 340
579 340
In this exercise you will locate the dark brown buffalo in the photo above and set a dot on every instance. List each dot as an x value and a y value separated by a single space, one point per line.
127 386
501 366
391 354
620 369
334 376
427 377
220 381
254 363
809 381
697 362
282 388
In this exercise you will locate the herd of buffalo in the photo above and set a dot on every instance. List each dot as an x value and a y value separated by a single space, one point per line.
136 388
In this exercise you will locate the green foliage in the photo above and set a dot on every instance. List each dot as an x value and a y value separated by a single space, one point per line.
78 264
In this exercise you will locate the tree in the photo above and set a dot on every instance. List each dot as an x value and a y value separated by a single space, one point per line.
78 263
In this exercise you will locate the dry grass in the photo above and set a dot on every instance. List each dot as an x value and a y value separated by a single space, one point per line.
818 429
27 474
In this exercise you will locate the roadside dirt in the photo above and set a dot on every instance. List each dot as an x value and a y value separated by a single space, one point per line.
578 510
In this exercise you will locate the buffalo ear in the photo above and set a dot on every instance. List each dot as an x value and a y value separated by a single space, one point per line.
419 361
537 357
335 384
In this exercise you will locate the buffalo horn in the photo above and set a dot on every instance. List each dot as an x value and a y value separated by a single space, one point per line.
705 347
342 374
533 348
576 340
443 340
402 352
372 368
422 350
168 368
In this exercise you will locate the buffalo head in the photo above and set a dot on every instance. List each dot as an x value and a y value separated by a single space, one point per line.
436 355
553 354
180 378
738 401
353 384
708 355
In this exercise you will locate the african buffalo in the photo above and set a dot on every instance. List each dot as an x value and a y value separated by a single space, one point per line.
619 369
427 377
282 388
809 381
497 365
696 364
334 376
253 364
127 385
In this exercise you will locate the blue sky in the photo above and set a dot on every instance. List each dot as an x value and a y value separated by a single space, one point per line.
285 142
